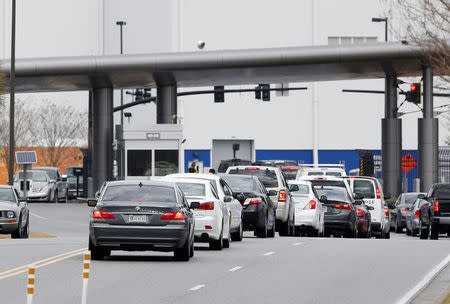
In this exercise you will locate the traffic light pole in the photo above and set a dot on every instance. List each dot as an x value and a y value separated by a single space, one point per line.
428 136
391 137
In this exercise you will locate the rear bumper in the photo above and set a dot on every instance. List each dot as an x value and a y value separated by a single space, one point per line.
339 226
204 235
253 217
282 211
441 220
163 238
306 218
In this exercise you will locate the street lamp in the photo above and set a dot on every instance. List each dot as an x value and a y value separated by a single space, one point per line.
122 159
385 20
12 80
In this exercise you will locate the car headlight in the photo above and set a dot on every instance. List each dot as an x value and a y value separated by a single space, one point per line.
43 189
10 214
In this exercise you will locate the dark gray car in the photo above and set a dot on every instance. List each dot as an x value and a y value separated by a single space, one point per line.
14 214
147 215
400 212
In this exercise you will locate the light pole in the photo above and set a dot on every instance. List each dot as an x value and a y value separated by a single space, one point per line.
121 24
12 80
385 20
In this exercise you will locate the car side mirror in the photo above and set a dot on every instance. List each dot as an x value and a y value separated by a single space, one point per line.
228 199
273 193
195 205
323 198
97 194
370 208
53 180
387 196
239 196
294 188
92 202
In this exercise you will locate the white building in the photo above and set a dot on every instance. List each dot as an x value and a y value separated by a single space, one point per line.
282 128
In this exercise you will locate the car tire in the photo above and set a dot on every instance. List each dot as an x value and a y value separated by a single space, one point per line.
408 232
423 232
314 233
226 243
387 235
398 228
66 198
183 254
414 232
217 244
192 250
238 235
434 231
271 232
21 233
55 198
97 252
262 232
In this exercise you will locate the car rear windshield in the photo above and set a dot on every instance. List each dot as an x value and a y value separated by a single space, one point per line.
315 173
6 195
139 193
240 184
442 191
364 187
225 164
192 189
302 189
333 173
324 182
334 194
289 174
410 198
267 177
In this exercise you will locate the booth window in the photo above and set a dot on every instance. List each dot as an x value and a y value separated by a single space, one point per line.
139 162
166 162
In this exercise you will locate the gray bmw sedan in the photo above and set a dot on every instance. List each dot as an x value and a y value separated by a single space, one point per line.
147 215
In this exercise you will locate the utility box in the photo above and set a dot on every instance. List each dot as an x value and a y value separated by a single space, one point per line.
156 151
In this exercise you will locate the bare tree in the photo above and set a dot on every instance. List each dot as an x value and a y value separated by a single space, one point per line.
425 23
56 128
22 124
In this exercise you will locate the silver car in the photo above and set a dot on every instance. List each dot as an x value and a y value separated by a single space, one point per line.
412 216
14 214
141 215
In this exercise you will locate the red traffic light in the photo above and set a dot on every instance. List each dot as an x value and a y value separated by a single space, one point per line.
413 87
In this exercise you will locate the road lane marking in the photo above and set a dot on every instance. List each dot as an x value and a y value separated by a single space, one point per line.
38 216
234 268
196 287
269 253
296 244
414 292
41 263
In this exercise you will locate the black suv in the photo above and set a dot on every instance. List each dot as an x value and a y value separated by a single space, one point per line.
435 212
224 164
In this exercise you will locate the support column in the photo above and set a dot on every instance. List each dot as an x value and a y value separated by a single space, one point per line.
102 154
166 104
391 137
428 136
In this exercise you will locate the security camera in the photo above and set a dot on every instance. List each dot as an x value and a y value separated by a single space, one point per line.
201 44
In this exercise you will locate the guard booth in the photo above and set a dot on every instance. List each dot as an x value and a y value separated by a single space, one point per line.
156 151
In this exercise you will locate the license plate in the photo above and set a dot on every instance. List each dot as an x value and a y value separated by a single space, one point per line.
137 218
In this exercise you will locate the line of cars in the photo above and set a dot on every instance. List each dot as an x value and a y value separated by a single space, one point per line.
170 213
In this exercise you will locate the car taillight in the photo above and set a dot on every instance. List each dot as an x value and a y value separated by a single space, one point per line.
417 214
436 206
103 215
282 196
251 168
172 216
206 206
360 212
403 210
343 206
386 211
252 201
311 205
378 193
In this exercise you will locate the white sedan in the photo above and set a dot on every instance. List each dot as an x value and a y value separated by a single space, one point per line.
211 214
308 214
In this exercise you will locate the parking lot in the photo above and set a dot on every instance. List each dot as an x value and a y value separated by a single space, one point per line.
283 269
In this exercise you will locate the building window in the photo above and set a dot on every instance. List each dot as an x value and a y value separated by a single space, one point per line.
139 162
166 162
337 40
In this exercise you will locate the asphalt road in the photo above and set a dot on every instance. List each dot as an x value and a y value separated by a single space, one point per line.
280 270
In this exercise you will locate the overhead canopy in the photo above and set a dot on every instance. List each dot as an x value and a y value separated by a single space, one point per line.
207 68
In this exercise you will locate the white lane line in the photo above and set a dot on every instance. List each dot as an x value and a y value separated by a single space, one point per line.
38 216
196 287
269 253
408 297
235 268
296 244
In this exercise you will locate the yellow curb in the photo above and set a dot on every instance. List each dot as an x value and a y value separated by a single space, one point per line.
33 235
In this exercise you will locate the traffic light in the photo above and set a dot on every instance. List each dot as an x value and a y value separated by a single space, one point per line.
265 92
138 94
219 95
415 92
147 93
258 92
366 163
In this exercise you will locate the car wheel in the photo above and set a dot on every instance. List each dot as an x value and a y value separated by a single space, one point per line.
55 198
414 232
387 235
226 243
183 253
423 232
217 244
271 232
26 230
237 236
262 231
314 233
66 198
408 232
97 252
434 235
192 249
398 228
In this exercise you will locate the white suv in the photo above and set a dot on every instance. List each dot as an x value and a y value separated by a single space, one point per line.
321 170
272 178
371 191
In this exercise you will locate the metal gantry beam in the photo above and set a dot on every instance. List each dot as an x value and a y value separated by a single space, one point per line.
391 137
428 136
